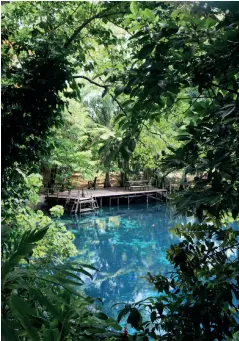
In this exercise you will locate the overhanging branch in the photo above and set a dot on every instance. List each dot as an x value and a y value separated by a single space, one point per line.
85 23
92 82
119 104
223 88
104 87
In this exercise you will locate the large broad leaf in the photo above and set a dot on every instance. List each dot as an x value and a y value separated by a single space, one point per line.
23 312
119 90
25 246
7 332
52 335
123 312
134 7
134 318
148 14
45 301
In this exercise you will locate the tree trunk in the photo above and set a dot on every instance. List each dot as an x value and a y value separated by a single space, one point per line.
51 182
107 180
123 179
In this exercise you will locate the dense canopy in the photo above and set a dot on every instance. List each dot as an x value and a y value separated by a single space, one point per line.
120 86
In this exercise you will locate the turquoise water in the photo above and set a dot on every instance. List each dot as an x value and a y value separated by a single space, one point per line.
124 243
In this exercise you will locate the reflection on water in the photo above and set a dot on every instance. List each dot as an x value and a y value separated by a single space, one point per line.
124 243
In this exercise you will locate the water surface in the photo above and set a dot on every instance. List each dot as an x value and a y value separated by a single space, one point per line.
124 243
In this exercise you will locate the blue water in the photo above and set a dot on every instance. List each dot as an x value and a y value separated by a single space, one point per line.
124 243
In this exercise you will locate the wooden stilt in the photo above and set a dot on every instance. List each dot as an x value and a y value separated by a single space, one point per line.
118 201
110 202
101 202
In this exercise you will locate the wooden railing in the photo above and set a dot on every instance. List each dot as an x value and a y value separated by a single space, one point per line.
58 193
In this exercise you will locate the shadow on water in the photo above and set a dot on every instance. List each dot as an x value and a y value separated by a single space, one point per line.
124 243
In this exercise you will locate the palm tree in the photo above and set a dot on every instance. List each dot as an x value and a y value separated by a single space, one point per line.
102 112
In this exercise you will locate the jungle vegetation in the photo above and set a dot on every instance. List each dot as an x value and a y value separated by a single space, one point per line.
112 84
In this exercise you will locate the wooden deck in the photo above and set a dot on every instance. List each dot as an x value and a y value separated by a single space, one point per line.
112 193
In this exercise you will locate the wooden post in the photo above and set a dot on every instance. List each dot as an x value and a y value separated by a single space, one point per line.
57 196
101 202
110 202
118 201
128 200
77 206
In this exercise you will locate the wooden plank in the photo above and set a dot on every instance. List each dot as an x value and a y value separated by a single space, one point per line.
87 209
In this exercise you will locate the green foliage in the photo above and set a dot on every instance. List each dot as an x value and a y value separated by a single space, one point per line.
190 52
19 218
57 211
201 293
42 48
70 153
210 152
156 139
41 52
103 137
161 55
58 242
176 55
41 302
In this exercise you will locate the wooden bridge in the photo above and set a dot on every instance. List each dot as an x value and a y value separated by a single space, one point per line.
85 200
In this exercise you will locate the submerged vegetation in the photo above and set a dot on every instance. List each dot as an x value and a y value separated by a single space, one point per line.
125 86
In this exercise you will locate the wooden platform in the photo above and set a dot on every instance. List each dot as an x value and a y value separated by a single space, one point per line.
112 193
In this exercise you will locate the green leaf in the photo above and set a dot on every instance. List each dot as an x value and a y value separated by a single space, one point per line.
134 7
147 13
211 22
112 323
102 316
44 301
122 313
119 90
134 318
145 51
23 311
37 235
52 334
7 332
24 248
159 307
153 316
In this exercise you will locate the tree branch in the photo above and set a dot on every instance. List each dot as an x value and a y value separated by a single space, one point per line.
91 81
158 134
221 87
119 104
63 22
182 98
80 28
192 104
104 87
145 146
